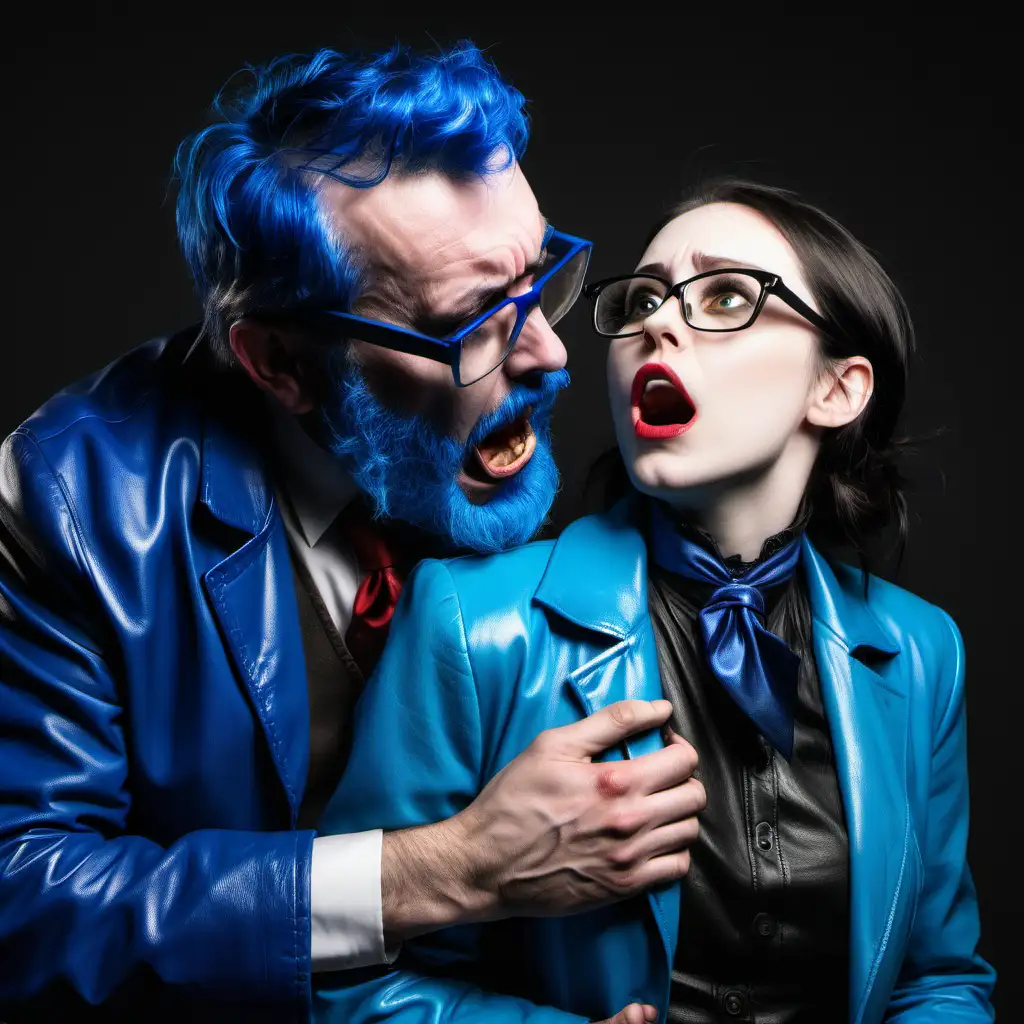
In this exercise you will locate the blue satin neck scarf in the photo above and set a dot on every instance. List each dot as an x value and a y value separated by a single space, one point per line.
756 668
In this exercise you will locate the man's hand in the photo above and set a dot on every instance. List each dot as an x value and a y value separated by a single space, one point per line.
635 1013
553 833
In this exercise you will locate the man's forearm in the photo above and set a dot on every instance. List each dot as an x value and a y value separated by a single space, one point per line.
428 881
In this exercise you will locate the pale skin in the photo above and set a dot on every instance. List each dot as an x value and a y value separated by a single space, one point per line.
555 832
763 398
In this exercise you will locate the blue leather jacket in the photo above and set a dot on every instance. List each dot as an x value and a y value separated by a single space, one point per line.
154 725
485 653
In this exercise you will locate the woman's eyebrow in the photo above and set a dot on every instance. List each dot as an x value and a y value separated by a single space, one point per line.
703 262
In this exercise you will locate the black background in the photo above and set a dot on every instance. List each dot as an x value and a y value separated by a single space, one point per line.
906 129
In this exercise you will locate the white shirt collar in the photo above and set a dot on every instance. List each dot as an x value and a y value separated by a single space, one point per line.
315 484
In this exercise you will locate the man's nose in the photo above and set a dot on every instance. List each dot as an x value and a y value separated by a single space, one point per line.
537 349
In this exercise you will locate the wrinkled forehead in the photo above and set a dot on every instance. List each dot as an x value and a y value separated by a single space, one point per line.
422 228
724 230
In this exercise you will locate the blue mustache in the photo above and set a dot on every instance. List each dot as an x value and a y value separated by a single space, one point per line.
409 470
541 398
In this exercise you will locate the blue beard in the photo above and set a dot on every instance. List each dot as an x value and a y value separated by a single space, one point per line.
408 469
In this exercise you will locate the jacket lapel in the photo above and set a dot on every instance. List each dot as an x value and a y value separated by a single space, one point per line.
612 604
867 713
252 595
866 709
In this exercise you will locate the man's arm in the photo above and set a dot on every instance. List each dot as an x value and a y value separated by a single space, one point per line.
82 904
550 834
943 978
553 833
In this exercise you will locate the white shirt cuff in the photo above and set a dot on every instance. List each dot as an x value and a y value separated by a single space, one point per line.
346 923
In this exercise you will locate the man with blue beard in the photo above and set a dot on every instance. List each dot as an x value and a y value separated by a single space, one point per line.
201 548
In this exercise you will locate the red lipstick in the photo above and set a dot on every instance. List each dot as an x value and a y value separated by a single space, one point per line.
661 419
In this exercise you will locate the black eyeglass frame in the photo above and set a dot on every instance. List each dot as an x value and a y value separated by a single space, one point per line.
771 284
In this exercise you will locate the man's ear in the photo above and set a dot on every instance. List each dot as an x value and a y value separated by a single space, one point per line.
273 360
842 393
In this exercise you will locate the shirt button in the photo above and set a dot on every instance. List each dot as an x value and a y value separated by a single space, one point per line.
734 1002
765 836
764 926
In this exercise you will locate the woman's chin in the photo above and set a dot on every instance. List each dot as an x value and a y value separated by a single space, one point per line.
660 474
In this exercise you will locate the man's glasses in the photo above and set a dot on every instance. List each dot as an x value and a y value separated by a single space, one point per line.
717 301
483 344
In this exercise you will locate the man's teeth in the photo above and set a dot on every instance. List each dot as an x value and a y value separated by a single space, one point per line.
509 455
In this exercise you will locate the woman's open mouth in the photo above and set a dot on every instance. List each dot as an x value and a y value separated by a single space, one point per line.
661 406
503 452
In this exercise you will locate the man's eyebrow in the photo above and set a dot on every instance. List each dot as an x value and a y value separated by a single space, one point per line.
477 300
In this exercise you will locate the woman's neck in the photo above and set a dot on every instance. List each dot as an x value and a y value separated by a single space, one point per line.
741 516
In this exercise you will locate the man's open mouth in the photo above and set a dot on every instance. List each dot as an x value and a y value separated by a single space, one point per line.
504 451
661 405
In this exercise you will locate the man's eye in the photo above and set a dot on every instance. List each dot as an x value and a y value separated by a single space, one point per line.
522 286
439 328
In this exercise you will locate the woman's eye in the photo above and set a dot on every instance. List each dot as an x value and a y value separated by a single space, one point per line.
642 304
726 301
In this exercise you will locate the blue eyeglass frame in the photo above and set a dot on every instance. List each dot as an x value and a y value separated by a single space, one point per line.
449 349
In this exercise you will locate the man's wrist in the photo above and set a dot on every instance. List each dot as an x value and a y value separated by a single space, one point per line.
429 881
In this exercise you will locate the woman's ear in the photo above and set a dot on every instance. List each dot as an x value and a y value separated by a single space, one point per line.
272 360
841 393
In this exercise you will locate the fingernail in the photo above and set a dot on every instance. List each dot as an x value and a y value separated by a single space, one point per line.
650 1013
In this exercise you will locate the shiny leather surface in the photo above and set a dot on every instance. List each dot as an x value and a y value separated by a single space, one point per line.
153 712
484 653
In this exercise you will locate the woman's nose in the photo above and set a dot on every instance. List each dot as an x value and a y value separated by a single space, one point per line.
666 327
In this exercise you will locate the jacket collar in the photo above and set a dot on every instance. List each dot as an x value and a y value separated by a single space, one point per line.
234 477
614 600
838 603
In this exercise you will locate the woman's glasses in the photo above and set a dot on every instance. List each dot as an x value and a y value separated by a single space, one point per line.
718 300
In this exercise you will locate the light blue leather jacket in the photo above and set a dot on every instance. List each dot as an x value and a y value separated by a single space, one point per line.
487 652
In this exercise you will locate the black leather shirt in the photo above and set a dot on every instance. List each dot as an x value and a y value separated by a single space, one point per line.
764 922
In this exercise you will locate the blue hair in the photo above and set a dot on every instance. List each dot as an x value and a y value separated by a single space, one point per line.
249 221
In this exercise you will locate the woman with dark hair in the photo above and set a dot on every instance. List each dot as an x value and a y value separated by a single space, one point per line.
757 366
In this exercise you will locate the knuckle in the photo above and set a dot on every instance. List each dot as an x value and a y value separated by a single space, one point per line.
623 714
622 858
543 742
624 883
612 780
623 823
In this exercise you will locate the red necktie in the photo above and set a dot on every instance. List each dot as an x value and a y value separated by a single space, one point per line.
378 592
